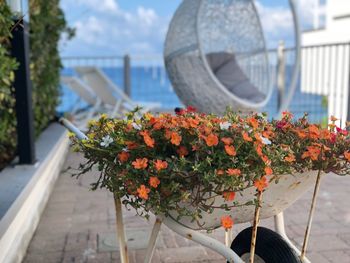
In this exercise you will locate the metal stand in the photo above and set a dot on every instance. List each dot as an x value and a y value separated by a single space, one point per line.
153 239
280 229
123 247
203 239
228 237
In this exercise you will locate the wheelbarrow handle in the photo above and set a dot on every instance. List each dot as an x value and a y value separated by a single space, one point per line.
70 126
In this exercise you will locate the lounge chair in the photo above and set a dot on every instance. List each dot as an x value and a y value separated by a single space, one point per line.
87 95
110 94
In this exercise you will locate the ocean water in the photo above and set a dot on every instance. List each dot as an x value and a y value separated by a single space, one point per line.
152 85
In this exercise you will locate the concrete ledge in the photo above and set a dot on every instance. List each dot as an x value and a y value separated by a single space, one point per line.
18 224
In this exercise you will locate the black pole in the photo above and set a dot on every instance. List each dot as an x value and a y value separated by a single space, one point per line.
23 93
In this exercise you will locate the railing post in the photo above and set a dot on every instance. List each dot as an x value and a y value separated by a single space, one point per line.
23 93
127 75
281 67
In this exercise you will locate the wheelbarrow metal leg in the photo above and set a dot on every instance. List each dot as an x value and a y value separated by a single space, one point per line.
228 237
280 229
123 247
311 215
153 239
203 239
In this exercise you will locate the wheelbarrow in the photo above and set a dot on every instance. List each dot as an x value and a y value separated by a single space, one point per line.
256 242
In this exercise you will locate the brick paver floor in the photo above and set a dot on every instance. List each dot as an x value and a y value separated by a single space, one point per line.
78 226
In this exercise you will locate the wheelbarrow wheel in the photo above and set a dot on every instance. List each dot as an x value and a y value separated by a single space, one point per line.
270 247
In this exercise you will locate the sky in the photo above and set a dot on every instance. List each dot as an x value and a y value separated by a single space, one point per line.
138 27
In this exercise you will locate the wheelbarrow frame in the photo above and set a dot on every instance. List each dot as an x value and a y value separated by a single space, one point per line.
196 236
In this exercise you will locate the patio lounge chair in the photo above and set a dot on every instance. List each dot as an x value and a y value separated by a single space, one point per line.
87 95
110 94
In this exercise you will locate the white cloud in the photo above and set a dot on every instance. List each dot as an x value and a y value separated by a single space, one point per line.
109 6
147 16
278 22
108 29
274 18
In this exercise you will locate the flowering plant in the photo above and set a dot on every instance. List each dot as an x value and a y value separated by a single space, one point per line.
155 163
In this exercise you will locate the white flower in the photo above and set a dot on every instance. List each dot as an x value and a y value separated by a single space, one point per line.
136 126
225 125
265 140
106 141
261 115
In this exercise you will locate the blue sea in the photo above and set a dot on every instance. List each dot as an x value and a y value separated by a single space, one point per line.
150 84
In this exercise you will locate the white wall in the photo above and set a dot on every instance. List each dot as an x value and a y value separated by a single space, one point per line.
325 70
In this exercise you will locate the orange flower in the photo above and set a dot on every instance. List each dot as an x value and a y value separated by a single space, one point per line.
333 119
301 134
226 222
325 134
314 132
258 149
232 172
131 145
229 196
268 134
261 184
253 122
143 191
159 164
140 163
312 153
182 151
290 158
220 172
230 150
265 159
246 137
168 134
157 124
148 139
227 140
212 140
154 181
193 122
258 137
347 155
268 170
123 156
175 138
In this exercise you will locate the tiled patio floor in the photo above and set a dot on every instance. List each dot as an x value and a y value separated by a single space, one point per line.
78 226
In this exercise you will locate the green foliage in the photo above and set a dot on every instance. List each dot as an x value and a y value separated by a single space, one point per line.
47 22
7 66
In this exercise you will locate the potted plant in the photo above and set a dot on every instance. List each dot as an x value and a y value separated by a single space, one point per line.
203 169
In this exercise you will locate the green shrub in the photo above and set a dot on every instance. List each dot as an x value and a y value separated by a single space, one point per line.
7 102
47 22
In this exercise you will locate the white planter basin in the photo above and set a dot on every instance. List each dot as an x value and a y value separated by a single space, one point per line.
276 198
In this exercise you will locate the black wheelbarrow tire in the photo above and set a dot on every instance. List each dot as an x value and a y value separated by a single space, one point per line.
270 246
